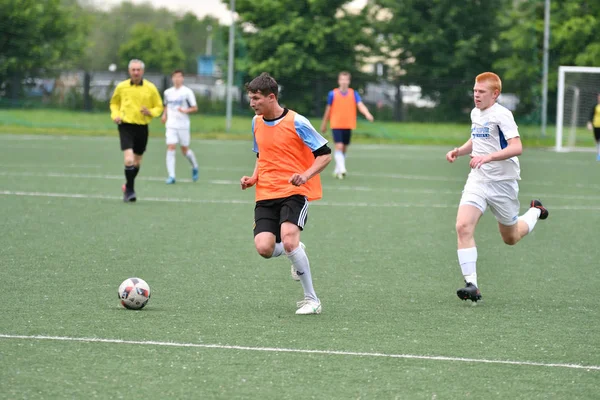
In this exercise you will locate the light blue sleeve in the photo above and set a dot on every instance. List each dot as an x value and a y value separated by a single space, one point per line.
255 146
308 134
330 98
357 97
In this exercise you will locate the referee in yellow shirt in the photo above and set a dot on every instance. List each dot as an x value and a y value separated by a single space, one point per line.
594 125
133 105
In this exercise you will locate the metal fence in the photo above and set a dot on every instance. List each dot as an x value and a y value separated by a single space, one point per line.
91 91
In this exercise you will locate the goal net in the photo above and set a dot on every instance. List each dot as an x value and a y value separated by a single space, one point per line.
577 95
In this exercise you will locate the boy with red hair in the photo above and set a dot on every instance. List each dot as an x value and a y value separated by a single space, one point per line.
493 147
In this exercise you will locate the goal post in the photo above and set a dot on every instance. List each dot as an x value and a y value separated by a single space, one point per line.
577 90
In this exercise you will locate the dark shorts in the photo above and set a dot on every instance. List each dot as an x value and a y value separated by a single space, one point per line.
597 134
133 137
342 135
270 214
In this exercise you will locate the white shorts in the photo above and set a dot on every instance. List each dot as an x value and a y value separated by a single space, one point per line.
502 197
181 136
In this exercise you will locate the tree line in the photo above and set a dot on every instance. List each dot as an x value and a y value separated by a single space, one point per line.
438 45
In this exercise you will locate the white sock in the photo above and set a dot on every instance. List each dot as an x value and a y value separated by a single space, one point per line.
171 163
300 260
340 161
531 217
192 158
278 250
467 258
598 148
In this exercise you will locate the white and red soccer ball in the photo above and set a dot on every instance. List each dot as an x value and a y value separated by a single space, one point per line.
134 293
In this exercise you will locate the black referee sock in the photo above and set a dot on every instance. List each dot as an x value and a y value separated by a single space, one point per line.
130 173
136 169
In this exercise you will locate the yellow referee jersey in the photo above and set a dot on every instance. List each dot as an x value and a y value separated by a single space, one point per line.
596 116
128 99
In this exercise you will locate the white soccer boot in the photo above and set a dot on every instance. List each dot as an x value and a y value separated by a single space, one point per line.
308 306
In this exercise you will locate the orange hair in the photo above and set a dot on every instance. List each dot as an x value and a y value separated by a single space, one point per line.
491 78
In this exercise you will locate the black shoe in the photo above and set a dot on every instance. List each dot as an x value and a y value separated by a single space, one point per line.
538 204
469 292
129 196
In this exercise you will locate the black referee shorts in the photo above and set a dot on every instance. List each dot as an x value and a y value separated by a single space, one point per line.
597 134
270 214
133 137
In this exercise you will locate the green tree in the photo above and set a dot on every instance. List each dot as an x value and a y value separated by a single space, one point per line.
159 49
440 45
303 44
110 29
574 40
193 37
38 36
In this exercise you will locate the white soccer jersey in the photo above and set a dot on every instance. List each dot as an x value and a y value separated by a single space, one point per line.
490 131
175 98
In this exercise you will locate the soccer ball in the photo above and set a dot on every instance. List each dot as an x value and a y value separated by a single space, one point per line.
134 293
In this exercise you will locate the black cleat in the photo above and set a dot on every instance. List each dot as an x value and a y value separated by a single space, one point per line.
538 204
129 196
469 292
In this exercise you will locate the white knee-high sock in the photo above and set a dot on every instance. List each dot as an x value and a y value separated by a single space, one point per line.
340 161
192 158
531 217
467 258
598 148
278 250
171 163
300 260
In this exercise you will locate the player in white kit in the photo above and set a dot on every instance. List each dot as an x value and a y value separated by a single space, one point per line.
494 146
179 102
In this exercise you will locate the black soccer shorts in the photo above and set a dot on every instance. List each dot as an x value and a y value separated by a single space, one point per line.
133 137
342 135
270 214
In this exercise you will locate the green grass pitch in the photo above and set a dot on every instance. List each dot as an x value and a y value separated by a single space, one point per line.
382 248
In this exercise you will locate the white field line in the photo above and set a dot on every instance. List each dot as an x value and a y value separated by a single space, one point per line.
107 197
329 187
431 157
243 170
246 202
300 351
363 147
95 166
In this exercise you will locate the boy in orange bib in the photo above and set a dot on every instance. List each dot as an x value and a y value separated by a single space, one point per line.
341 114
290 155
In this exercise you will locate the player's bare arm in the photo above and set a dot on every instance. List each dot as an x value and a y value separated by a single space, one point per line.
465 149
365 111
318 166
514 148
163 119
249 181
325 119
188 110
